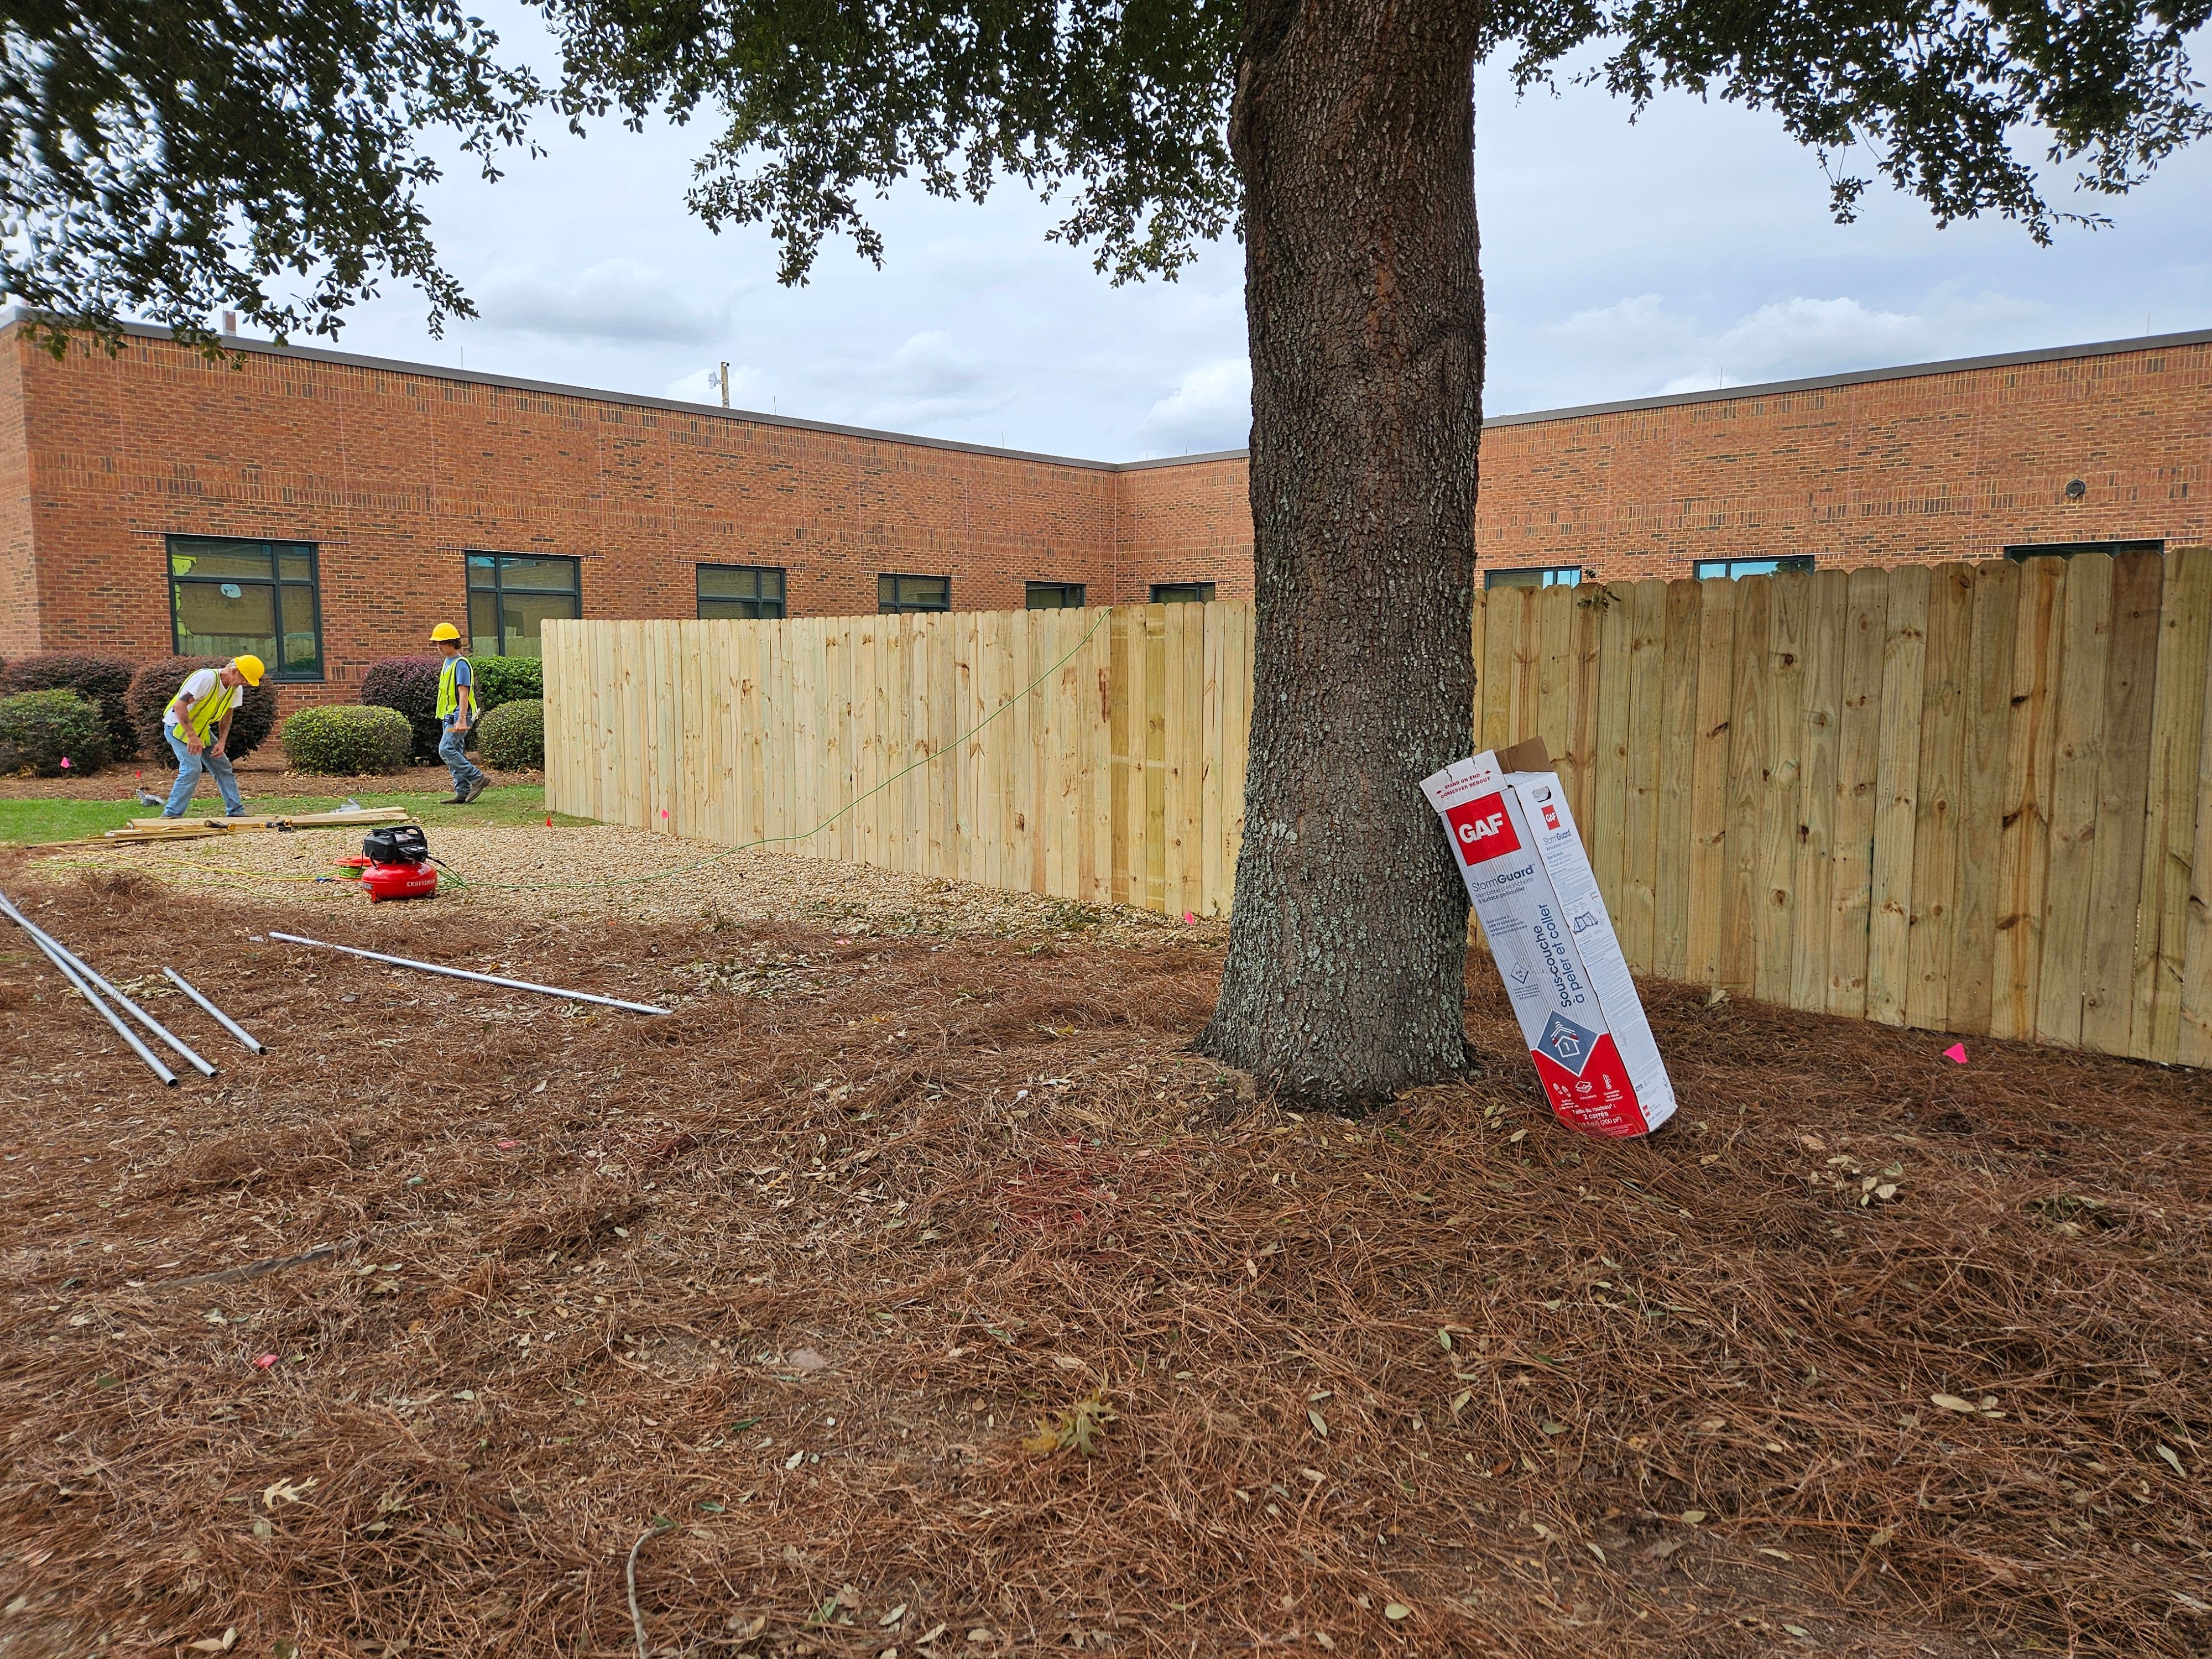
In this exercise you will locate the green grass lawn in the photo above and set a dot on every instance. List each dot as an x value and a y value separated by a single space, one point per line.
30 823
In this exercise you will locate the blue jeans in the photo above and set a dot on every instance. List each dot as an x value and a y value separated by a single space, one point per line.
189 768
456 760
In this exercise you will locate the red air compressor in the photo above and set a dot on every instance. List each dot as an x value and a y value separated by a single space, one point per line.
398 863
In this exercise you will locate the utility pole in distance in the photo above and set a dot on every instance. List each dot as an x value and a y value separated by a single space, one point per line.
725 386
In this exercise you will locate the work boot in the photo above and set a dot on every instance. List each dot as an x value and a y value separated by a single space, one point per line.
457 799
474 790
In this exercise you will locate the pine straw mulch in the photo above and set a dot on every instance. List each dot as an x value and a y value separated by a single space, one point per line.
799 1271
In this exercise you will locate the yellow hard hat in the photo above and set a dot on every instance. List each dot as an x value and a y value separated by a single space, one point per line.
443 632
250 668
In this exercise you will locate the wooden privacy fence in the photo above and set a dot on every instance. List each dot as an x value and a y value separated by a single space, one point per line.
1966 798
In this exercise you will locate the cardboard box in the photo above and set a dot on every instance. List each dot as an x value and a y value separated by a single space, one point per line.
1538 901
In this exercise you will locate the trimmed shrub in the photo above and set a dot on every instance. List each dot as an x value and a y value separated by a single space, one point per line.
512 738
39 730
100 680
251 718
347 739
408 685
506 679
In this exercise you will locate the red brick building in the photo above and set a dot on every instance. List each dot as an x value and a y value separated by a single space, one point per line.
331 507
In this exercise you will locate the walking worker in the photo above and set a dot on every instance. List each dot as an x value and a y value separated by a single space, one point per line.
457 712
196 723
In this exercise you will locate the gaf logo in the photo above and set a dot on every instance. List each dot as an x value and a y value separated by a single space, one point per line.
1481 829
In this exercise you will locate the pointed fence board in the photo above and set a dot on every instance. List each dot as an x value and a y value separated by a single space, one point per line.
1970 798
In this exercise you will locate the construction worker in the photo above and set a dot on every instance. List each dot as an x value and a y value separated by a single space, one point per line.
196 723
457 712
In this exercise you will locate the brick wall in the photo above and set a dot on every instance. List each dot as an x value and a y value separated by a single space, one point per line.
396 471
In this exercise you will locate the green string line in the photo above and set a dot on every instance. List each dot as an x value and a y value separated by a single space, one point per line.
951 748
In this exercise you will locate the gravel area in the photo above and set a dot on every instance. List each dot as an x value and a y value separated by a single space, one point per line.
604 872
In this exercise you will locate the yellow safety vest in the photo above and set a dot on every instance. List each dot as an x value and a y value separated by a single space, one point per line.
449 690
209 710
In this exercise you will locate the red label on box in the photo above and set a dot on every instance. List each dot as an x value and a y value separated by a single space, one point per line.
1598 1098
1482 829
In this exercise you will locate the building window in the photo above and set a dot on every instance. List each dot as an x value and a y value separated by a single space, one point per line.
2068 550
1732 569
227 597
511 594
1053 596
1182 593
744 591
897 595
1535 576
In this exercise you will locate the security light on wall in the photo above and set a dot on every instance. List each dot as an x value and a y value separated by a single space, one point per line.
2076 490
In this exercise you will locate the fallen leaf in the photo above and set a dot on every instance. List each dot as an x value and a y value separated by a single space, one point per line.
1950 1402
1797 1630
265 1362
1320 1423
1551 1428
1443 1341
1068 1361
893 1616
1397 1610
1883 1535
18 1605
1460 1400
2173 1457
290 1492
1692 1517
794 1460
1779 1555
806 1359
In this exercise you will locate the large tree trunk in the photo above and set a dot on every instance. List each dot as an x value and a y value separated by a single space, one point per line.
1353 128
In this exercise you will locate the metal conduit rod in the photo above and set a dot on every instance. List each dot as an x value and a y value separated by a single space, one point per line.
216 1014
168 1077
121 1001
481 979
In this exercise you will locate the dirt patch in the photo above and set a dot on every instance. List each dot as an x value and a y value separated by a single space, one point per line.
839 1270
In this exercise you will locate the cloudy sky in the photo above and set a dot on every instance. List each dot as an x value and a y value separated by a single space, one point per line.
1692 249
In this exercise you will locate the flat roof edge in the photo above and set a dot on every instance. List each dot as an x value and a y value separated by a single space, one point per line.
593 394
1533 417
1861 377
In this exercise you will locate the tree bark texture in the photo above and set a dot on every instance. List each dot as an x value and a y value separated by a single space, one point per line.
1353 128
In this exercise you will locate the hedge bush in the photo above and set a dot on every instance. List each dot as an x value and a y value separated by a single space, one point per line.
103 681
408 685
346 739
252 717
39 730
512 738
506 679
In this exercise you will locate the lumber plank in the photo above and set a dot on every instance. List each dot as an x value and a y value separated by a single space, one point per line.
1775 921
1237 739
1986 707
2123 799
1827 615
2170 807
272 820
1124 665
2024 835
1941 801
1750 719
1209 804
2086 630
1709 883
1858 780
1502 627
2194 1044
1646 676
1579 773
1678 741
1557 610
1607 690
1897 803
1156 757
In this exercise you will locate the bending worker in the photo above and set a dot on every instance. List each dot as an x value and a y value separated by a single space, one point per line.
457 712
196 723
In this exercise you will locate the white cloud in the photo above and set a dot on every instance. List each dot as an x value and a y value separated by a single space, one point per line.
620 300
1211 409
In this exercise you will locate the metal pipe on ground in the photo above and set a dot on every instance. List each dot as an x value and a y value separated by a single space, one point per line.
216 1013
120 1000
168 1077
481 979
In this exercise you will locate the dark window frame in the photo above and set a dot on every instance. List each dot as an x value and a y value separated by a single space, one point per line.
1182 594
1031 591
498 589
782 600
1784 563
275 582
898 605
2019 553
1553 575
